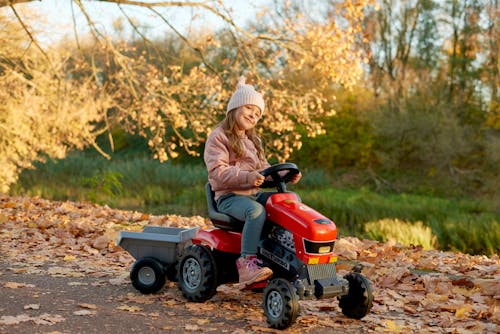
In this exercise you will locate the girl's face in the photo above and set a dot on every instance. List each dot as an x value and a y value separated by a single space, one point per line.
247 117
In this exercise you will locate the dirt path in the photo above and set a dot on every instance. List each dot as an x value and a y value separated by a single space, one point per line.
40 303
54 298
60 272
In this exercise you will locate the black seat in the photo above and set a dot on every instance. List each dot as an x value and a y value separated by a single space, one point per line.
220 220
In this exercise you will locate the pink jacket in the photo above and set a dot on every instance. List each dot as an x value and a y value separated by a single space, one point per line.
226 172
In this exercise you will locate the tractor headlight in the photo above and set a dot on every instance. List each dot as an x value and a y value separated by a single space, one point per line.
324 249
319 247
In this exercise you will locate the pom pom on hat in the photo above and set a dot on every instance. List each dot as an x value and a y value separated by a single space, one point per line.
245 94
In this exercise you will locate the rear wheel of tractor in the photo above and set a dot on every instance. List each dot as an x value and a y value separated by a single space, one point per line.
197 273
358 302
147 275
280 303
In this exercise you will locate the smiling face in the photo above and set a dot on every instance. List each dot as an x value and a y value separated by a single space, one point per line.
247 117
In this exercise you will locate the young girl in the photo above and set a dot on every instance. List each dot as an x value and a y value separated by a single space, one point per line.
234 156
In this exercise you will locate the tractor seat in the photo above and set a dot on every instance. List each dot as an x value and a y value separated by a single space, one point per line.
220 220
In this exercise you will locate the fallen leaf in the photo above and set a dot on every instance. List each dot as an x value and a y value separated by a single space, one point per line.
77 283
64 272
48 319
15 285
202 322
14 320
489 287
463 281
129 308
392 327
190 327
9 205
463 311
88 306
32 307
101 242
85 312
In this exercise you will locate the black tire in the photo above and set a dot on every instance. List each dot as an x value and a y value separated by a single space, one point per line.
171 273
358 302
147 275
197 275
280 303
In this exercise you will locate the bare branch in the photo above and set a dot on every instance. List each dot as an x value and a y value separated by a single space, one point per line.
33 40
6 3
185 40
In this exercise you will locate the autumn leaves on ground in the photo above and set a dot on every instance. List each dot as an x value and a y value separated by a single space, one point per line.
61 271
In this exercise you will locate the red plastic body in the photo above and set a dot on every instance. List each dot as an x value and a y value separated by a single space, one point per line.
304 222
216 238
286 210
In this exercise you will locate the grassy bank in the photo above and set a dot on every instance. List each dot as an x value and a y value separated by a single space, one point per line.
139 183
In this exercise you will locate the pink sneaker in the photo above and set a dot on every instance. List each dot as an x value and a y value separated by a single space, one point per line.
250 271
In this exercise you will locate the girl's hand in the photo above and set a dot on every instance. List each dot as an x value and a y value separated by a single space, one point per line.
296 178
255 178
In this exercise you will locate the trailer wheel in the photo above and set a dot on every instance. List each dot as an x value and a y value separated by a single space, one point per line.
280 303
197 273
147 275
358 302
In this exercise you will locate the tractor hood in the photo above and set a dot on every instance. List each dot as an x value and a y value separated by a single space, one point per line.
286 210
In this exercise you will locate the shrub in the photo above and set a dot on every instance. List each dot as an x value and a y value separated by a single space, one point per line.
406 233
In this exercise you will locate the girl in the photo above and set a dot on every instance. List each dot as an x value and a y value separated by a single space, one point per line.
234 156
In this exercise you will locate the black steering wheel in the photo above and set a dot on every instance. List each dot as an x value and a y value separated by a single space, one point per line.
279 180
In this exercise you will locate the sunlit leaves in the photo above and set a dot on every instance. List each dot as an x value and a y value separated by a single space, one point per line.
415 290
64 98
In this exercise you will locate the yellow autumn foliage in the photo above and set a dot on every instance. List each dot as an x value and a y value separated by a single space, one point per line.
55 101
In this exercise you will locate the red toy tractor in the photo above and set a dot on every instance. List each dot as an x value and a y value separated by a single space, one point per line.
296 243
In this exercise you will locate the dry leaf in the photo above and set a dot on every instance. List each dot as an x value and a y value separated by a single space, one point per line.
48 319
463 311
32 307
101 242
14 320
88 306
129 308
392 327
85 312
15 285
190 327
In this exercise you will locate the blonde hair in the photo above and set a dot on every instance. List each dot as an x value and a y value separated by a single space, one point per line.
229 127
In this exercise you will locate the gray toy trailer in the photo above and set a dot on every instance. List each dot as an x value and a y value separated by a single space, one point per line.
156 250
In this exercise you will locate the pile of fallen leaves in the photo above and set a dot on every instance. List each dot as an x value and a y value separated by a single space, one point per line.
416 290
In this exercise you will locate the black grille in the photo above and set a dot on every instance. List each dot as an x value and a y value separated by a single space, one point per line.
314 247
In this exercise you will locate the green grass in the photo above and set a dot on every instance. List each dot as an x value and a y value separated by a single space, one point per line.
142 184
403 232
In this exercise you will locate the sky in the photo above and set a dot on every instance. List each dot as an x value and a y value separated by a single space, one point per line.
54 18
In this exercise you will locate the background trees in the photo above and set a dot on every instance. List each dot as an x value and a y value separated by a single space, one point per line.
174 102
394 88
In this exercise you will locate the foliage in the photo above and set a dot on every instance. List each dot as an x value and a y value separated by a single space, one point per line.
150 186
57 250
449 219
419 116
348 138
436 83
107 184
403 232
106 83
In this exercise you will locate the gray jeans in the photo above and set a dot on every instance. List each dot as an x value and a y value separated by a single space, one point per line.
249 209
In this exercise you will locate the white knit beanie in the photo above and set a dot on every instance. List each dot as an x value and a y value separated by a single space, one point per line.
245 94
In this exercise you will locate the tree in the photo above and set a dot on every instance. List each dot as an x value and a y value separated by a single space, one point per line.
79 96
434 67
